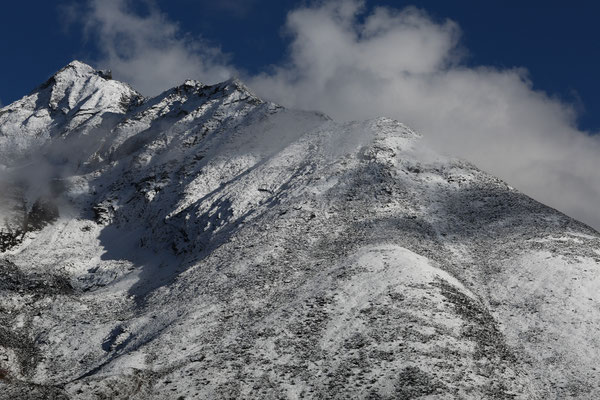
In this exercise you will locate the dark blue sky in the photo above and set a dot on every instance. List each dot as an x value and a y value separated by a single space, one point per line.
557 42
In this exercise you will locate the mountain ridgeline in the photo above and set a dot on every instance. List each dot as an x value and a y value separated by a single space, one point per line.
208 244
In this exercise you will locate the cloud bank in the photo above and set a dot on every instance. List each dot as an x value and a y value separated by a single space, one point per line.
354 63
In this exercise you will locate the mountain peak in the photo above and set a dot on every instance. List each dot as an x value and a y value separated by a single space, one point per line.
233 84
147 243
76 70
233 89
78 81
76 96
79 66
236 83
192 83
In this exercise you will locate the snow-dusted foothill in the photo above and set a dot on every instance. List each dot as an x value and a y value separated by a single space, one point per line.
207 244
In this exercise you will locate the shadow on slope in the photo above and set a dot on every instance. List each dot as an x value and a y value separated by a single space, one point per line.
151 268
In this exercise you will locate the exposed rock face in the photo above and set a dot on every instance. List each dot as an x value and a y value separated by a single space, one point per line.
208 244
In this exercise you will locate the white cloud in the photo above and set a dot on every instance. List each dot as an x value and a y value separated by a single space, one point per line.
397 63
402 64
149 51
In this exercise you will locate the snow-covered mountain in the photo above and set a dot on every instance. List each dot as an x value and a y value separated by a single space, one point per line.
208 244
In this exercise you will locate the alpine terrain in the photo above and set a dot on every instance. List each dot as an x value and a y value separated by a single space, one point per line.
208 244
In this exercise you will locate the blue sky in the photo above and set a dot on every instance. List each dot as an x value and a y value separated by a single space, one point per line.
557 42
510 87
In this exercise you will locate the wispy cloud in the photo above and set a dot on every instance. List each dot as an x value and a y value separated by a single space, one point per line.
149 51
392 62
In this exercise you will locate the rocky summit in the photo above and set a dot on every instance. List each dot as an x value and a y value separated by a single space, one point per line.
208 244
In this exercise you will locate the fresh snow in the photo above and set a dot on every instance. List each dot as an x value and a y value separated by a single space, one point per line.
206 243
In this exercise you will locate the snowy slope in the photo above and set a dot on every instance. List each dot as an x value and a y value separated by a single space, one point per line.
72 102
208 244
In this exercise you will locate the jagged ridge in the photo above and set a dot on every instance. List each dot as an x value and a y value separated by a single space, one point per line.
214 245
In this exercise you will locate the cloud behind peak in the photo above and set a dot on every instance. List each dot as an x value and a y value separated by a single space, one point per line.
355 62
148 50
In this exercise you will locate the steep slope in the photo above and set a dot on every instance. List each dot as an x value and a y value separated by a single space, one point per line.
213 245
46 135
